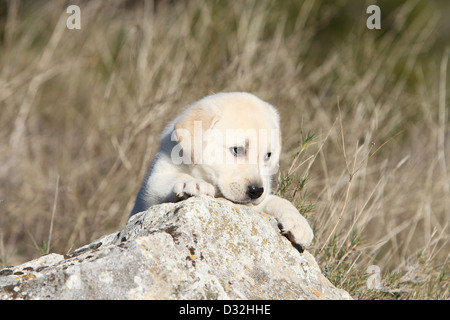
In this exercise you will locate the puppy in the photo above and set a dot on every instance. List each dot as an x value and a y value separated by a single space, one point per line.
225 145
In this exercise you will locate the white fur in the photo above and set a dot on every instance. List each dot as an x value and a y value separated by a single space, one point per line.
197 157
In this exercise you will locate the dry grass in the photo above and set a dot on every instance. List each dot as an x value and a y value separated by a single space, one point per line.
81 113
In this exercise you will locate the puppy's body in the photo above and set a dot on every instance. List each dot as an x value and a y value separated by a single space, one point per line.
225 145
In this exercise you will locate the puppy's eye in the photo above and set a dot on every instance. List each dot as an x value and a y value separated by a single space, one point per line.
267 156
238 151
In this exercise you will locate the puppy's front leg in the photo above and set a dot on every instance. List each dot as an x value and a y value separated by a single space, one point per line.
290 221
188 186
169 187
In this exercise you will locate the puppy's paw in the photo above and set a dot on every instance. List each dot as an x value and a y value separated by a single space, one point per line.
193 187
296 229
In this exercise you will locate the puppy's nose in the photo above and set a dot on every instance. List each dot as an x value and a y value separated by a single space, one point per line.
254 191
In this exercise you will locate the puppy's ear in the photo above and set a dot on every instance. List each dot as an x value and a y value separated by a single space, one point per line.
190 128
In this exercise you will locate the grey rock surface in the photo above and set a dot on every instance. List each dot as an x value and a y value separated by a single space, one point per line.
201 248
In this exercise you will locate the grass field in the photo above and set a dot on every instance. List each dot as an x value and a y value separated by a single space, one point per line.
365 121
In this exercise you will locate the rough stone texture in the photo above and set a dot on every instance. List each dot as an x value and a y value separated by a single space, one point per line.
201 248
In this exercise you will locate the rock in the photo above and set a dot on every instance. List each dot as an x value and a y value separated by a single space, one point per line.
201 248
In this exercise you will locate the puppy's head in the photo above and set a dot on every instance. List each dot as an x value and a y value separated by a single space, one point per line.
233 141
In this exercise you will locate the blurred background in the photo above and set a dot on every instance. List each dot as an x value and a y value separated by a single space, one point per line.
366 142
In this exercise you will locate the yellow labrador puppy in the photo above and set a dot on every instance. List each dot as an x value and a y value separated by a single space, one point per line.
224 145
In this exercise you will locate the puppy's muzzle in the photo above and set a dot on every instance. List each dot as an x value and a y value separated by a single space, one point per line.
254 191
